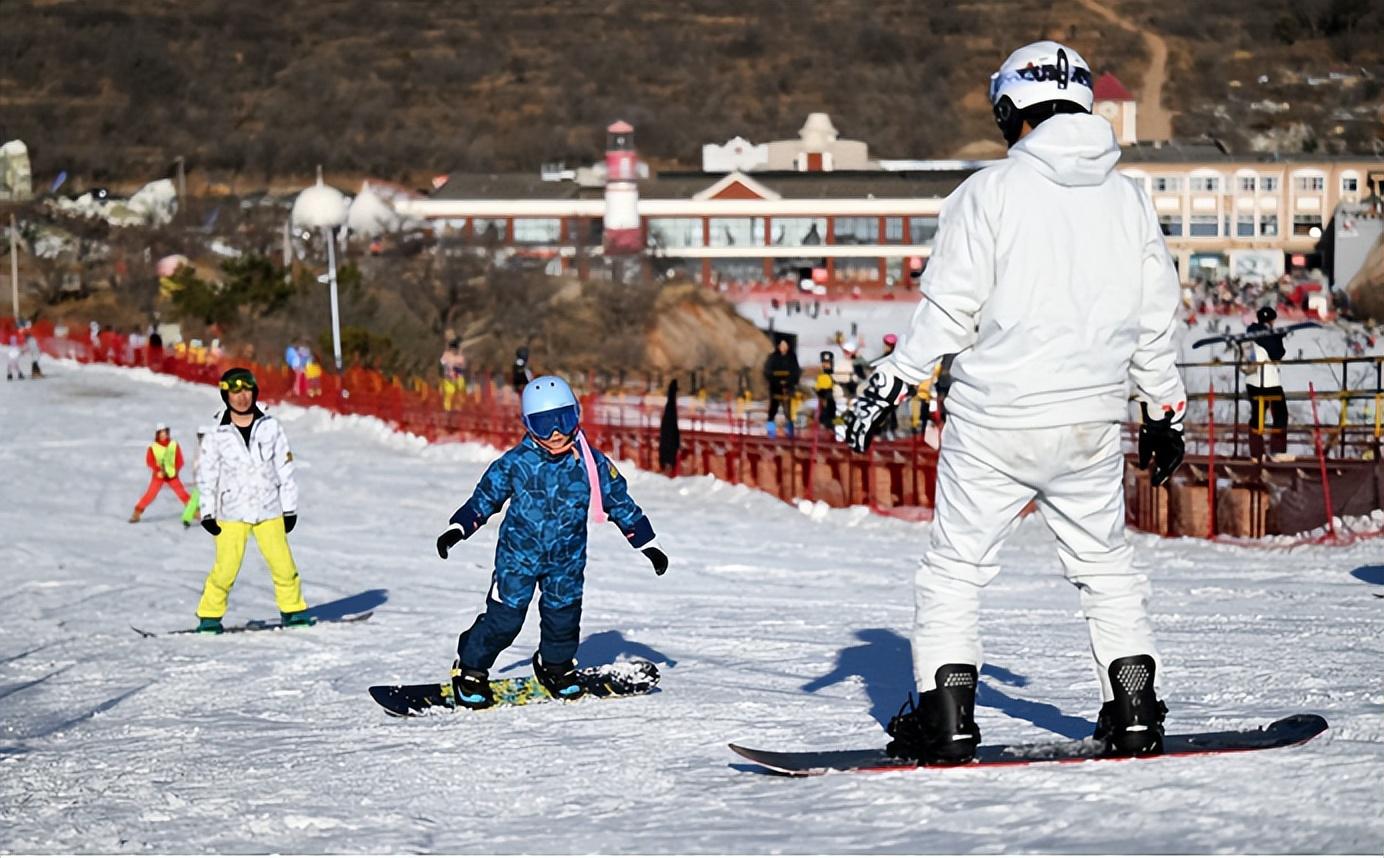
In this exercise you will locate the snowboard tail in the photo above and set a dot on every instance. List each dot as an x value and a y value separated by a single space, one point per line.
261 626
620 679
1293 730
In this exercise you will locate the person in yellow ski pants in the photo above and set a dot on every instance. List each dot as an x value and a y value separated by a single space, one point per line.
230 552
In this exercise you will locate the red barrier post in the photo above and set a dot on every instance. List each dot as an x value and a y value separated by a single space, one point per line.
1321 462
1211 461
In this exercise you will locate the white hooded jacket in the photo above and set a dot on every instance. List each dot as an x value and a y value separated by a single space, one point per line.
251 483
1051 279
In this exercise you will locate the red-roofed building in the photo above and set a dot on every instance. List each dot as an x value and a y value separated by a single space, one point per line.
1116 104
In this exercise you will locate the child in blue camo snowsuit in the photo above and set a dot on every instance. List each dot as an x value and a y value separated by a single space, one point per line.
548 479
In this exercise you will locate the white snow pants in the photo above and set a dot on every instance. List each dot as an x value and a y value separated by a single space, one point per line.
985 477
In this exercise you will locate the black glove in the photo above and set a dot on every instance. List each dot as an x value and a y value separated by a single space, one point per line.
448 540
210 526
654 552
290 520
882 392
1160 442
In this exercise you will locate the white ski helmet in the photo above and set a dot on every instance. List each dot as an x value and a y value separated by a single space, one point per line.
1037 81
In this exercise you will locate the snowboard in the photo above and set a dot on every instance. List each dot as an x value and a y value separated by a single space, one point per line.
262 626
1293 730
620 679
1236 339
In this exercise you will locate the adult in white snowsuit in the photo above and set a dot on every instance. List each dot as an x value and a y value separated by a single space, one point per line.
1051 281
245 479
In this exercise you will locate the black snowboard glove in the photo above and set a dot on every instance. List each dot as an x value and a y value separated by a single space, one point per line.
654 552
882 391
448 540
290 521
1160 442
210 526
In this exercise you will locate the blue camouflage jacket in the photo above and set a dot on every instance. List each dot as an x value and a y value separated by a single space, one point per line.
543 534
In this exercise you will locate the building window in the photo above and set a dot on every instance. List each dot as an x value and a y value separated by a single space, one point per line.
798 231
585 231
737 231
1203 226
893 229
1167 184
1309 183
1247 184
537 230
737 270
1268 184
853 270
1205 184
675 231
1244 226
489 229
1171 224
857 230
1303 224
921 230
1268 225
1349 184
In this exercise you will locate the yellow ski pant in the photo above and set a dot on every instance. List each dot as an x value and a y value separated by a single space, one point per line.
230 551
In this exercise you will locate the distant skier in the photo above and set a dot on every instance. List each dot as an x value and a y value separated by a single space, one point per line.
193 507
825 386
552 479
13 351
520 373
246 480
782 372
164 458
1051 280
1265 387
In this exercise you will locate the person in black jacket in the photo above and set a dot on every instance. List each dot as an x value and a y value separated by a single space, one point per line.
782 372
1265 387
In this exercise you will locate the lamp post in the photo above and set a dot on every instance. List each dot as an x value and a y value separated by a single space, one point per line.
14 266
323 207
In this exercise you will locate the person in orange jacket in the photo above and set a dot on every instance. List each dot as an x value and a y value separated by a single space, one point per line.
165 460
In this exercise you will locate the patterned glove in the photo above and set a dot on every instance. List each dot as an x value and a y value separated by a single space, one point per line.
882 391
1160 442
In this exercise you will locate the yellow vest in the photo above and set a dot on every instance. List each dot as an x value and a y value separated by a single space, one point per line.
167 456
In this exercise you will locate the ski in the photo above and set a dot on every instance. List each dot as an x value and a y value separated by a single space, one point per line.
620 679
1293 730
261 626
1235 339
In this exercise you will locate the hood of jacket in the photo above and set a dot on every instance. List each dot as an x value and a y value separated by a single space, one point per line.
1072 149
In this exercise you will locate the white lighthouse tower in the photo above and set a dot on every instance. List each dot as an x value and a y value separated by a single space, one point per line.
621 235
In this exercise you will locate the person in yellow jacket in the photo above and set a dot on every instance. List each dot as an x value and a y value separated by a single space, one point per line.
164 459
245 475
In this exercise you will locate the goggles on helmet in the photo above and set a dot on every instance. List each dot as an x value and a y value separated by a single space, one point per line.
239 383
1057 74
563 420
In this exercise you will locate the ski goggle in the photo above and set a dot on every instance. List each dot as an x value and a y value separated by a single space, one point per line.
1061 76
563 420
239 383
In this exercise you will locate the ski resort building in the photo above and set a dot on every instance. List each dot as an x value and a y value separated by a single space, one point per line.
793 212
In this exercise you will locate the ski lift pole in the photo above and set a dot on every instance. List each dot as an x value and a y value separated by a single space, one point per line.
1211 461
336 312
14 267
1321 462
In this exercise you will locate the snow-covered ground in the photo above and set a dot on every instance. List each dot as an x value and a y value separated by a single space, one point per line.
773 628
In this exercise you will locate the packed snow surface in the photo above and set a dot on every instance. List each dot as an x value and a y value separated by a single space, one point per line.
774 629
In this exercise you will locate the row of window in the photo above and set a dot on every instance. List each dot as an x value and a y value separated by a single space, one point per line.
845 270
1238 226
1249 184
788 231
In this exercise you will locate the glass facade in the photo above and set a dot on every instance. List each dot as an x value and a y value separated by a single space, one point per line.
676 232
921 230
1203 226
1170 224
737 270
798 231
856 230
1304 224
537 230
736 231
852 270
489 229
1268 225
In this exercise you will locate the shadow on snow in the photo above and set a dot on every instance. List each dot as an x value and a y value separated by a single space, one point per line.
349 605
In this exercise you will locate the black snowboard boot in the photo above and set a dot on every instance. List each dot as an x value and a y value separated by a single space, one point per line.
559 679
1132 724
941 727
471 687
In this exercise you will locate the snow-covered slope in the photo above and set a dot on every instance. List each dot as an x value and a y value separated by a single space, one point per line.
773 628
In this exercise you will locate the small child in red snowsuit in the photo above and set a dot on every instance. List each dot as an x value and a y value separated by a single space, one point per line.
165 460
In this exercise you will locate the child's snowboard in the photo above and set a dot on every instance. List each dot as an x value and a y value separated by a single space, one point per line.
620 679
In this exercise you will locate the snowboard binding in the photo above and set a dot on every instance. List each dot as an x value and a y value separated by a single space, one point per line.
1131 725
471 687
940 728
560 680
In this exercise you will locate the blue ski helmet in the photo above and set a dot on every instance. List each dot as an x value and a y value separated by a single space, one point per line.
548 404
